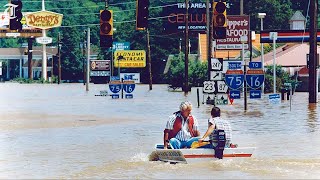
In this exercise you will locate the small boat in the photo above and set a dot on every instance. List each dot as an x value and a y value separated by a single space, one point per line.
196 155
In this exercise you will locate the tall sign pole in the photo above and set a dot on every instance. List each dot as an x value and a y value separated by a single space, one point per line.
313 52
209 40
88 59
186 48
44 53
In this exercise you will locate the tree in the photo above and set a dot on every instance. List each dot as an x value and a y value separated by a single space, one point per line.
281 78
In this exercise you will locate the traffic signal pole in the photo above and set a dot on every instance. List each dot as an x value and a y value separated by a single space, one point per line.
149 59
186 48
209 38
313 53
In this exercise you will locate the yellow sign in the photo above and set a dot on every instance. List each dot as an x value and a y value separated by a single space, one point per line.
44 19
130 58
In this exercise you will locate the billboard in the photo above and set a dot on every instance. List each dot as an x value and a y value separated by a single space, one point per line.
130 58
100 65
44 19
237 26
174 14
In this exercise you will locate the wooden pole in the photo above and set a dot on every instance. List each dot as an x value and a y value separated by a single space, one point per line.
313 52
186 47
149 60
59 60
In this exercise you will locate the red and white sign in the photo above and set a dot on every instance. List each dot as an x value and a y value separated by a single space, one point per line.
237 26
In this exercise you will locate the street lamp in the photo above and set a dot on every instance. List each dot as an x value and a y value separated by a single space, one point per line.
261 16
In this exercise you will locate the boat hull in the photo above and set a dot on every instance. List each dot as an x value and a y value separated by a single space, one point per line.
199 154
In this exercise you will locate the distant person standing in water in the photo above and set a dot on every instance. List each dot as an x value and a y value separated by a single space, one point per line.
182 128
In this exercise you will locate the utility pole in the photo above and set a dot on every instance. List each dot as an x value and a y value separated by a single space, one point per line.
241 7
186 47
59 60
88 59
149 60
30 58
209 38
313 52
83 54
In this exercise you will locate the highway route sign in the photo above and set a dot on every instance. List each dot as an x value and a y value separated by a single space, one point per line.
208 87
234 78
235 65
215 75
255 94
128 86
216 64
115 86
255 65
235 94
255 78
222 87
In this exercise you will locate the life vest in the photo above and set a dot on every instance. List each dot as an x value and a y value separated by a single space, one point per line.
177 125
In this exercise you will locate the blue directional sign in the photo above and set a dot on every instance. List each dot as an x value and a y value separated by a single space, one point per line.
114 78
234 78
115 86
255 94
115 96
255 65
235 94
255 78
274 98
234 65
129 96
128 88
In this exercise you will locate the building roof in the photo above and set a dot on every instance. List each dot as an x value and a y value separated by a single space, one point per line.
290 55
297 16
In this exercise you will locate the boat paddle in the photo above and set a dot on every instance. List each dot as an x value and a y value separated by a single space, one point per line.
197 144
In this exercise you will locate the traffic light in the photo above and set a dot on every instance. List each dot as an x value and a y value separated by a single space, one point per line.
220 19
142 14
15 15
106 28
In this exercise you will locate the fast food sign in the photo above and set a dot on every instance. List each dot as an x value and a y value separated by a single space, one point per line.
44 19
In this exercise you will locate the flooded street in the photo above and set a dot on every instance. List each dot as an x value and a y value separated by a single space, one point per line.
62 131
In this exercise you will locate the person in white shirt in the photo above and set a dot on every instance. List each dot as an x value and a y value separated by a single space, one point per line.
181 128
215 123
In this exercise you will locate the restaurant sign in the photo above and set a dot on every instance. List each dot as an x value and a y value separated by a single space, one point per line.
44 19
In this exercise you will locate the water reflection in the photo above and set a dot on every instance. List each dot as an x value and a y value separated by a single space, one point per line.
62 131
313 118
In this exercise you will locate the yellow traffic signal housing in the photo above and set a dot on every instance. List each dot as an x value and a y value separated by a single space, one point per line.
106 22
220 19
106 28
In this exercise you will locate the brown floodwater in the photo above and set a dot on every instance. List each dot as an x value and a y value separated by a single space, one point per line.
62 131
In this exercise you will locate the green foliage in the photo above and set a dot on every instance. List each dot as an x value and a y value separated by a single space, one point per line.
197 72
79 15
30 81
281 78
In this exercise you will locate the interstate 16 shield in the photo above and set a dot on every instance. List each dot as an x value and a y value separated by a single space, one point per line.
234 78
255 78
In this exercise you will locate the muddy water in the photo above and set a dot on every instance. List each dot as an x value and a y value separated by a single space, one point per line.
62 131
